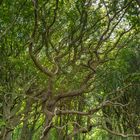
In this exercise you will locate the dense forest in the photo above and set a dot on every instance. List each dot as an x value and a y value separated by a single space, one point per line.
69 69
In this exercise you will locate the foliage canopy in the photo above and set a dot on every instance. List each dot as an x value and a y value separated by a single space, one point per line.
69 69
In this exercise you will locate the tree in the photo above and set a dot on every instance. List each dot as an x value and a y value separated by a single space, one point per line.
55 59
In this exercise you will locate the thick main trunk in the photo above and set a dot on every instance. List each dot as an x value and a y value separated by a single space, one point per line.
48 124
47 127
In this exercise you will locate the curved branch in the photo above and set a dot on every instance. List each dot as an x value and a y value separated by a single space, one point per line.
33 57
76 92
121 134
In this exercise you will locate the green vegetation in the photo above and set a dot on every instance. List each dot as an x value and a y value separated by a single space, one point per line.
69 70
